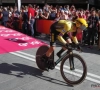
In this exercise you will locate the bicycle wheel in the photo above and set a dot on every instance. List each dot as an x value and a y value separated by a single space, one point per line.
40 52
78 74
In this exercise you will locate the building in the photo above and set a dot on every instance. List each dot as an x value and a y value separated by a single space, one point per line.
97 2
79 2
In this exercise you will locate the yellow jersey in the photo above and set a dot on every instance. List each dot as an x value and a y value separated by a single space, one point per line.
65 26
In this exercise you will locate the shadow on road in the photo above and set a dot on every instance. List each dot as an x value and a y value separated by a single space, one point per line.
93 50
19 70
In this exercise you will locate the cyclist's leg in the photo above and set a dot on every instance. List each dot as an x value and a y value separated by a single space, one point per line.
52 40
51 64
52 47
50 50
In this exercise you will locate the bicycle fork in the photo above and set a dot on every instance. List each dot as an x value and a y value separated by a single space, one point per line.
71 61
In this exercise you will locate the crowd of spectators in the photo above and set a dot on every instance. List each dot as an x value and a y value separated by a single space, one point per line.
24 20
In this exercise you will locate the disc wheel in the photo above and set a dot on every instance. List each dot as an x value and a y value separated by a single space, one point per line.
40 52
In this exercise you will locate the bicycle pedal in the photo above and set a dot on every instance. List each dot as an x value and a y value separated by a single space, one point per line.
72 68
47 69
51 67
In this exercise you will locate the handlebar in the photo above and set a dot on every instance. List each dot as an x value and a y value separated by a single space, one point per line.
73 47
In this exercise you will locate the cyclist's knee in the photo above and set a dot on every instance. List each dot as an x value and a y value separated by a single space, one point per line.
52 48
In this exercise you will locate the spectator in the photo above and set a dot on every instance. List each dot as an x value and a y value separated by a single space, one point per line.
40 14
31 18
99 31
10 23
5 16
67 7
45 14
25 19
93 21
61 8
57 17
63 15
54 9
46 7
37 9
52 15
66 15
0 15
81 14
87 14
72 9
16 15
11 10
99 39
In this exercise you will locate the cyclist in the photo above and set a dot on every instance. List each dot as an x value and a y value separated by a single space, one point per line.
59 31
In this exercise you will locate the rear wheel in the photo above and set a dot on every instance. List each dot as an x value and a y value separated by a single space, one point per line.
77 74
40 52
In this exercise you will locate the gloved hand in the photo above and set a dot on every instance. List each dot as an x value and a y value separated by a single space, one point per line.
79 47
69 46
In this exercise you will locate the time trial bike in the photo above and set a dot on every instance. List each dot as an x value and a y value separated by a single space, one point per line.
72 67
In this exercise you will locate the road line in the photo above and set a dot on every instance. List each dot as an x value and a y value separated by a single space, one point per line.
57 67
76 74
80 71
25 54
77 70
16 54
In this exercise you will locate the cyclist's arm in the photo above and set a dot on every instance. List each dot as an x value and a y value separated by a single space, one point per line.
67 26
60 37
74 38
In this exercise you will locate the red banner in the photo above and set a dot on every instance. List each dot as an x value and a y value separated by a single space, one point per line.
43 26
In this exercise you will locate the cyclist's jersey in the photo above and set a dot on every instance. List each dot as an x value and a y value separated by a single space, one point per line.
61 27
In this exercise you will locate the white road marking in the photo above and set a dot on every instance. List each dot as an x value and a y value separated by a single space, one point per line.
79 75
25 54
80 71
22 56
77 70
89 77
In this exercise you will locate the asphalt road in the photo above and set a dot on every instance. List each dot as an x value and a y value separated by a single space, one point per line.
18 71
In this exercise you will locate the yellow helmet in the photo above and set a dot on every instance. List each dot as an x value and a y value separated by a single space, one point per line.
82 21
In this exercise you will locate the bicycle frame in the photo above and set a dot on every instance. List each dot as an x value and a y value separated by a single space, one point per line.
60 58
68 52
71 60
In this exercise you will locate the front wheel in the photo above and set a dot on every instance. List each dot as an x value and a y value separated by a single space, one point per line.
77 74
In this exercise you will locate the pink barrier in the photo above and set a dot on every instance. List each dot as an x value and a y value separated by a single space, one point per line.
12 41
43 26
